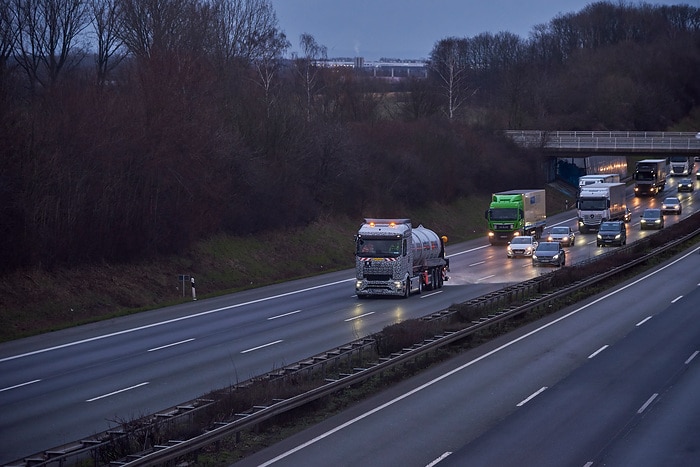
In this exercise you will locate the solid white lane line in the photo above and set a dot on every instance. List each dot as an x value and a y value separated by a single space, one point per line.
174 320
647 403
359 316
465 365
439 459
19 385
284 314
262 346
598 351
532 396
466 251
643 321
117 392
170 345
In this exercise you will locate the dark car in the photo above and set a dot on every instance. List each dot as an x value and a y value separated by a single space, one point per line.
612 233
563 235
685 184
652 219
628 215
549 253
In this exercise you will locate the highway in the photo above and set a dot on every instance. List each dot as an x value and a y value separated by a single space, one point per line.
60 387
598 383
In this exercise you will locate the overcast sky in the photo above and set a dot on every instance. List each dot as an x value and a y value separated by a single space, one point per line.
409 29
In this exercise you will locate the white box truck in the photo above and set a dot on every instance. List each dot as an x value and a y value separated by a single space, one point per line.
598 178
601 202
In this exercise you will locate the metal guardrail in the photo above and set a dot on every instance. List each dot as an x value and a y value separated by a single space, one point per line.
614 141
178 448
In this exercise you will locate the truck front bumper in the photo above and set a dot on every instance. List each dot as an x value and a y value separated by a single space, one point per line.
364 288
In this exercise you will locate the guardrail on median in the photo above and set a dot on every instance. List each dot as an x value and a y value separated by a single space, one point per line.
497 301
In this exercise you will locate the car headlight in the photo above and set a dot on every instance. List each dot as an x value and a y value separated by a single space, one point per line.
534 256
556 256
657 221
600 237
617 237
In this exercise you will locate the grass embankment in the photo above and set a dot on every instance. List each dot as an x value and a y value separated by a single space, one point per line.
37 301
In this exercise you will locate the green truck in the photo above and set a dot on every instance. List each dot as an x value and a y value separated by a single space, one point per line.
516 212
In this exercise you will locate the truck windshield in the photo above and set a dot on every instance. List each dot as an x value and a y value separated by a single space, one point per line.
646 176
593 204
379 247
503 214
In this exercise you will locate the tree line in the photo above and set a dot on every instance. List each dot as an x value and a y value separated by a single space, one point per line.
131 128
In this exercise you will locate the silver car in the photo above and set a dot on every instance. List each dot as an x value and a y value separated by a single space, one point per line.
521 246
563 235
671 205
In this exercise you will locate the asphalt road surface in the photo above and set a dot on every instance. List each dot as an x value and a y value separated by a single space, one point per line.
610 381
63 386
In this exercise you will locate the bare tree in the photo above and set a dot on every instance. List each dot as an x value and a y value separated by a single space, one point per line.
307 66
448 61
107 25
267 67
48 32
245 29
8 34
151 26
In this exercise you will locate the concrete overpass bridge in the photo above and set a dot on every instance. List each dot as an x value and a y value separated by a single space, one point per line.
646 143
570 154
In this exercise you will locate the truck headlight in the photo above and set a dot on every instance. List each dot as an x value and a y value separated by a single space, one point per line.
398 285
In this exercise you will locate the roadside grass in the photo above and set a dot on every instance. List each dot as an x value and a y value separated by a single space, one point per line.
36 301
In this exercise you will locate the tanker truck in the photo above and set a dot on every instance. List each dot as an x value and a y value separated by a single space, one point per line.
394 258
601 202
516 212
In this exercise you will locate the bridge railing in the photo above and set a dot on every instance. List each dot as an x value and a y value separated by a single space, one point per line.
615 141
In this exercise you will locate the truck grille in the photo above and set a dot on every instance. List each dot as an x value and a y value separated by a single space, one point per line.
503 227
378 277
